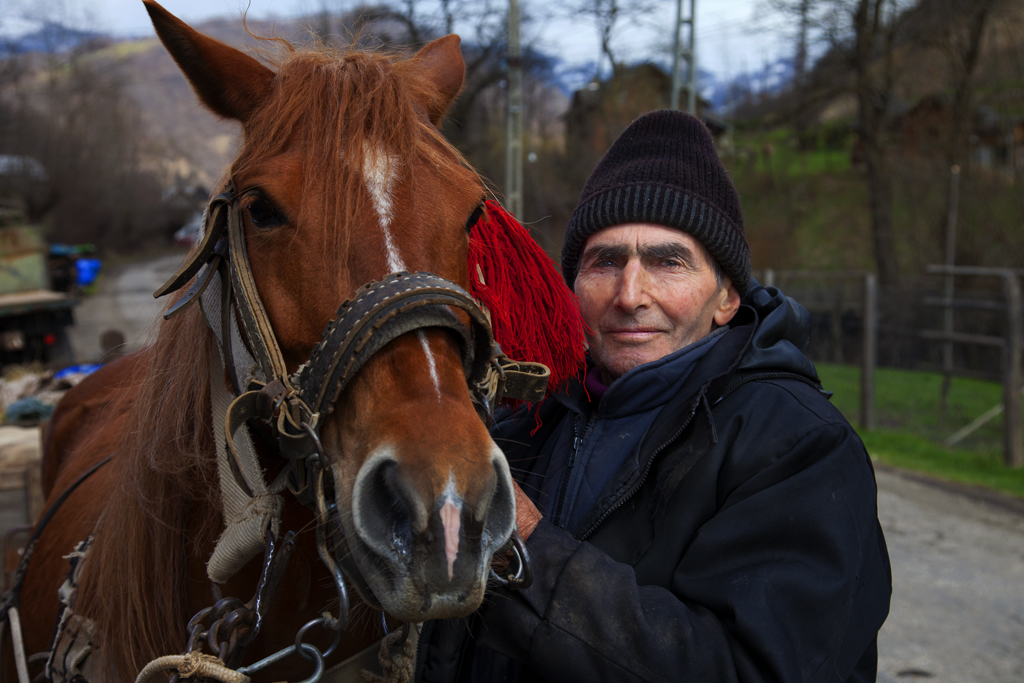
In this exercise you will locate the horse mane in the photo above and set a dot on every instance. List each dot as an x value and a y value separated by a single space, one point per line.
165 508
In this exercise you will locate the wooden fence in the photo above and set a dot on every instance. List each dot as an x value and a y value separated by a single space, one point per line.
869 336
1007 337
1010 343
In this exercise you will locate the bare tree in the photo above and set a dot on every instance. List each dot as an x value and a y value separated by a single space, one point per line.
608 17
805 15
876 26
960 38
863 37
71 112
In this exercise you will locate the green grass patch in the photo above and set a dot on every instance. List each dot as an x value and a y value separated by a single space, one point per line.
795 156
912 426
910 452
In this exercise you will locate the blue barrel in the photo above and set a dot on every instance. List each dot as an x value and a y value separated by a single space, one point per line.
87 269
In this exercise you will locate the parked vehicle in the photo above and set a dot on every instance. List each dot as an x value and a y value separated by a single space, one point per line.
187 235
33 317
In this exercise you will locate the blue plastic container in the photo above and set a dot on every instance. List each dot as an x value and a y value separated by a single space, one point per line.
88 270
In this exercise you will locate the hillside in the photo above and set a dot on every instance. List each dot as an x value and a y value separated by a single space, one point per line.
186 139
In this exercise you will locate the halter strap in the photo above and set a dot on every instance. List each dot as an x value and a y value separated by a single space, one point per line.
379 313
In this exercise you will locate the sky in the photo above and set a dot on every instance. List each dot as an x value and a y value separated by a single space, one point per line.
733 36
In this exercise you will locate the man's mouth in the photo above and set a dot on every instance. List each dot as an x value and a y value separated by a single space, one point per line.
634 335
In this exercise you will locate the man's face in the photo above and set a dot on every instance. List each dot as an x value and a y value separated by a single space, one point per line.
646 291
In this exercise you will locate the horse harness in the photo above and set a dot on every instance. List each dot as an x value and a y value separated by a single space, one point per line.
293 404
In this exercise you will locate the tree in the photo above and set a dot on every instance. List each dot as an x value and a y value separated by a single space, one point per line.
862 36
804 14
71 112
609 16
960 38
876 26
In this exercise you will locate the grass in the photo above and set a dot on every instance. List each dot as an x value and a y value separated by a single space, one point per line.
912 426
788 158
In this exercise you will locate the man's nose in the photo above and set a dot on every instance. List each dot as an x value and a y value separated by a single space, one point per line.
634 287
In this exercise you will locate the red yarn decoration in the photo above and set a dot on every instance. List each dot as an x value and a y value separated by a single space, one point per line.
533 314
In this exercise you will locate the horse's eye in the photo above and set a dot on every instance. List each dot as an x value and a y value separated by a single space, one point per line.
261 211
474 217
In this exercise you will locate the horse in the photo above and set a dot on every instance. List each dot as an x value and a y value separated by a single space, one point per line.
342 179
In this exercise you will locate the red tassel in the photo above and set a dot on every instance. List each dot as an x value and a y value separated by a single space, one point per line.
534 315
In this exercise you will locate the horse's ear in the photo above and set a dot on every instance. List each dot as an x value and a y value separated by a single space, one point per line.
441 63
228 81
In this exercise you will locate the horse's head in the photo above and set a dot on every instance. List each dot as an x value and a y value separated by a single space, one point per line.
343 178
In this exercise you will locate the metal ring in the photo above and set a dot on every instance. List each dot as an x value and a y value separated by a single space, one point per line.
277 403
316 442
324 622
406 628
309 652
523 576
322 520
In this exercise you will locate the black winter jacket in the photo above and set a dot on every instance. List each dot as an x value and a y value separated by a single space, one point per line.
740 544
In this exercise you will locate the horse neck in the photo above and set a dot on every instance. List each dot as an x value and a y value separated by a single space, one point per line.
140 581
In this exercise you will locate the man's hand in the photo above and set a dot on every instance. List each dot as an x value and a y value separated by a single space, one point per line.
527 515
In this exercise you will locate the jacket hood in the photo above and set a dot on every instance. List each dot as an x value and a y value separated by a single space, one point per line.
782 333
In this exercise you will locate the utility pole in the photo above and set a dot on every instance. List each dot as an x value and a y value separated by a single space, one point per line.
514 134
685 50
947 312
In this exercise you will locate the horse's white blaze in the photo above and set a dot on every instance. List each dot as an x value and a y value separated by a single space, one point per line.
431 365
379 173
451 521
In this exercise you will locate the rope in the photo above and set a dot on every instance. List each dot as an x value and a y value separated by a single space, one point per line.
193 664
397 658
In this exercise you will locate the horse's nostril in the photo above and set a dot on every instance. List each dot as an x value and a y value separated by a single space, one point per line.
385 511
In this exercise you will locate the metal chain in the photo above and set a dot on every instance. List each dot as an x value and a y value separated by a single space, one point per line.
229 627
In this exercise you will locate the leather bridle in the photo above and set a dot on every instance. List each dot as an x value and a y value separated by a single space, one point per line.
380 312
294 403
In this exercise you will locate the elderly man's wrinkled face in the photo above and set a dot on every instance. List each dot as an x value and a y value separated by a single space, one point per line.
646 291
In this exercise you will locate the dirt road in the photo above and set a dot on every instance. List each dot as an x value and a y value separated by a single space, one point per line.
124 302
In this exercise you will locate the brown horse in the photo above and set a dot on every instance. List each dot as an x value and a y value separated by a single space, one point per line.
341 179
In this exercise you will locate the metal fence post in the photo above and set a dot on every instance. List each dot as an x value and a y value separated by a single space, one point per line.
869 356
1013 447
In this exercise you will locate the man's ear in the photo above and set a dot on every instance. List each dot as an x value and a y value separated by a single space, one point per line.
728 304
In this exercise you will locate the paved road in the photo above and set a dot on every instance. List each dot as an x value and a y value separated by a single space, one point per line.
957 611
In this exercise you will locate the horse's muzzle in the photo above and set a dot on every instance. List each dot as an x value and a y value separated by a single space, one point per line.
427 556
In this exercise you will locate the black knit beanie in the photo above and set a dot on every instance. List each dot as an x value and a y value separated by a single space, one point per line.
663 169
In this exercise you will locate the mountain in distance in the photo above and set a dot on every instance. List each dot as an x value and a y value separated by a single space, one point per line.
50 37
772 78
195 146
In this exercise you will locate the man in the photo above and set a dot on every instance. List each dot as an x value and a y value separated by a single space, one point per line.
695 509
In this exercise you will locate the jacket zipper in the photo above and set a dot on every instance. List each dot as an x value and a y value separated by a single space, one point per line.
577 441
643 476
